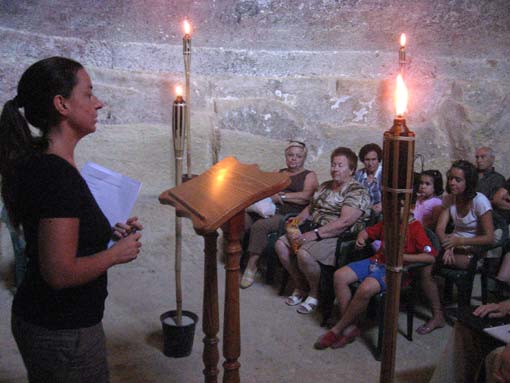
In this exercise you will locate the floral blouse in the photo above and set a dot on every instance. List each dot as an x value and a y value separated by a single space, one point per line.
327 204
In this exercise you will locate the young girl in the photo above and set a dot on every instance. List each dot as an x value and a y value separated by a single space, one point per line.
427 211
428 201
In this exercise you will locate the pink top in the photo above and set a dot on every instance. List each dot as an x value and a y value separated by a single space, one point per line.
424 208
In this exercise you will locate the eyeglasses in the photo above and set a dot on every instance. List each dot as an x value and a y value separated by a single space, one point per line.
297 142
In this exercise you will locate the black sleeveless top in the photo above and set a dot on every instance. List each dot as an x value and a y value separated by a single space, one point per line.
297 183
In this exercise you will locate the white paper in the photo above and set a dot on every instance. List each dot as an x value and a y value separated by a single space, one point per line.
115 193
499 332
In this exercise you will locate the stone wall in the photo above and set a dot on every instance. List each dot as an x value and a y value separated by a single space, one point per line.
265 71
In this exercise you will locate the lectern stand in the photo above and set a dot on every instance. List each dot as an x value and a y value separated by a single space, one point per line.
217 198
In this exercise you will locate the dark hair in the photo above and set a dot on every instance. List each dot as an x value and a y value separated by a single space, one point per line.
370 148
37 87
352 159
437 179
470 175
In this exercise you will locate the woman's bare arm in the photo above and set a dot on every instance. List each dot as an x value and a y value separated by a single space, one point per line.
59 265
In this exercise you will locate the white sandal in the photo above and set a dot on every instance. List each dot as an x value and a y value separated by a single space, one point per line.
308 306
294 299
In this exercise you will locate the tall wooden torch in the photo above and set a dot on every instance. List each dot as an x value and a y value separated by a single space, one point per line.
179 135
397 188
186 52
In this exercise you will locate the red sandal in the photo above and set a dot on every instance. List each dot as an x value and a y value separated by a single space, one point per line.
325 340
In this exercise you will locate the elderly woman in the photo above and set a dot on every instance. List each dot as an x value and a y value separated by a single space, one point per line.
371 176
341 206
291 200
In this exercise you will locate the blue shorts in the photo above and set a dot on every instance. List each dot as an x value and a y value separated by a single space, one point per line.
362 271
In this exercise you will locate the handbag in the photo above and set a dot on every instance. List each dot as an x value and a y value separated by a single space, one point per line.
265 208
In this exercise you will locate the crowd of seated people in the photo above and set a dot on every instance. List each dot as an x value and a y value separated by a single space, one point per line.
350 203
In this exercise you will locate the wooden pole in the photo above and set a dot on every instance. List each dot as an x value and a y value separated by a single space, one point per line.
178 249
187 73
231 325
178 134
397 181
211 322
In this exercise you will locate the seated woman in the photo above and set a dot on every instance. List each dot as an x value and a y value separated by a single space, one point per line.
340 206
471 213
291 200
371 272
371 177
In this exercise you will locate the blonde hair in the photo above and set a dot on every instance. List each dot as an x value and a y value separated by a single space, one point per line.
296 144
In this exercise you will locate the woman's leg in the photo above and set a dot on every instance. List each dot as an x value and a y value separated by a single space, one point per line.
288 260
258 239
504 269
431 291
311 269
70 356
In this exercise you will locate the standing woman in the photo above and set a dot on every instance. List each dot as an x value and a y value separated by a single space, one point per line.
291 200
57 310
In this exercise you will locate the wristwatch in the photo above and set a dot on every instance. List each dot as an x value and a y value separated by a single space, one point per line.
316 231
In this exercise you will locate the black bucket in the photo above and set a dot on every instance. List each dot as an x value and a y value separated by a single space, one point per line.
178 340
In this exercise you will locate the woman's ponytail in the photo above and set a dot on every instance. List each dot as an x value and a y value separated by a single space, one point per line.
16 140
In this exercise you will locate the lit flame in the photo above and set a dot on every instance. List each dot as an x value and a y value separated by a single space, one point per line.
403 40
401 96
187 27
178 91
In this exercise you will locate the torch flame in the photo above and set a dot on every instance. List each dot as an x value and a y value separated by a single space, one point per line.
187 27
403 40
178 91
401 96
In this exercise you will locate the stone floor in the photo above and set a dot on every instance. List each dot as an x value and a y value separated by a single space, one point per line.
276 341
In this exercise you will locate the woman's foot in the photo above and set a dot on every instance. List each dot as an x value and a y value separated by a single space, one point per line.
308 306
430 326
348 336
248 278
296 298
326 340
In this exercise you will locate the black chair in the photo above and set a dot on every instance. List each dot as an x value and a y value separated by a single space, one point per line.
463 279
345 253
269 253
490 268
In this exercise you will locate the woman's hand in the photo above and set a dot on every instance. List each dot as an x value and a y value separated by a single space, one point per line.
360 243
122 230
127 248
493 310
452 241
307 237
449 257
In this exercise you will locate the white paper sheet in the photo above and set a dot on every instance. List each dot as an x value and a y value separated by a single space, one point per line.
115 193
499 332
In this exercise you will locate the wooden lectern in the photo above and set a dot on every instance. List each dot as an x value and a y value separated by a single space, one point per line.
217 198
